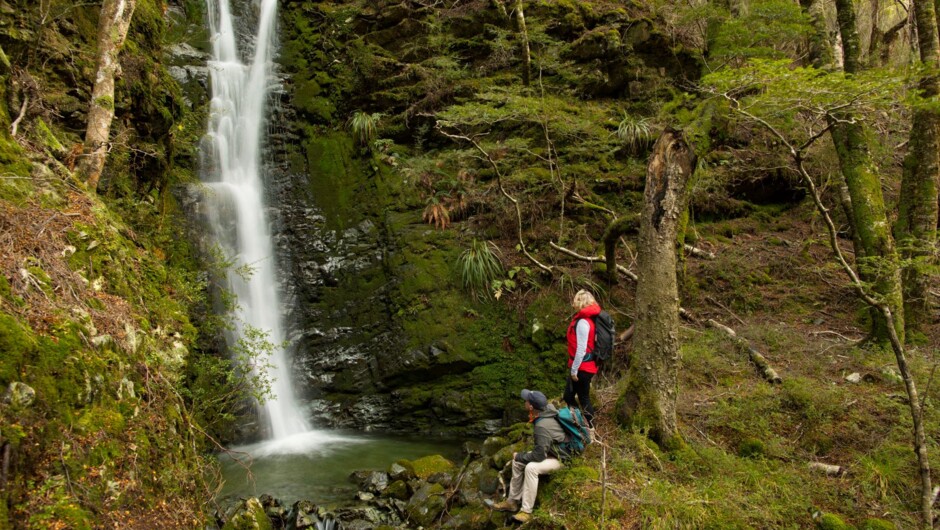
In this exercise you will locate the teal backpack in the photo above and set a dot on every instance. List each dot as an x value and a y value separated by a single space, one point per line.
577 434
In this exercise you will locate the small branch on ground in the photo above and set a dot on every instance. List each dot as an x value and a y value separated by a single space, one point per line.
770 375
726 308
627 334
603 485
841 336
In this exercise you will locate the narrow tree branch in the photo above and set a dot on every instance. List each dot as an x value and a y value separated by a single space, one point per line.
499 183
593 259
16 123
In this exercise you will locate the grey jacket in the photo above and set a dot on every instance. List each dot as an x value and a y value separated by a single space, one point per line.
547 432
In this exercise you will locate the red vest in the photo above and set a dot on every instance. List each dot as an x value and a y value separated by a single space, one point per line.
587 313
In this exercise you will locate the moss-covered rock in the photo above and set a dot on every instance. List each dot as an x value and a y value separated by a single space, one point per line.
249 515
397 490
427 466
426 504
831 521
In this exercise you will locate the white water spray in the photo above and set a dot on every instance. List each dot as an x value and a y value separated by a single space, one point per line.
232 173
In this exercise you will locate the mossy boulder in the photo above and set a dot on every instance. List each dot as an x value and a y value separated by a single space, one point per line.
474 518
831 521
397 490
493 444
428 466
401 470
426 504
480 478
249 515
504 455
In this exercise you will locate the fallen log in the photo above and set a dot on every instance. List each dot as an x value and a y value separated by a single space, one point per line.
827 469
698 253
770 375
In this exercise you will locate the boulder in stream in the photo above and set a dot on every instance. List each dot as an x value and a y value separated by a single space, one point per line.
249 515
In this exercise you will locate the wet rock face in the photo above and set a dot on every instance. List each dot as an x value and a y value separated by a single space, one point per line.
337 325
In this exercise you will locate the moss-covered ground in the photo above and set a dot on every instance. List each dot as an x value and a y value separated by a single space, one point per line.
97 290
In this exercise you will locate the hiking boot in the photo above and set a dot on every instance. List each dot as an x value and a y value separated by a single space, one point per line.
507 505
594 437
522 517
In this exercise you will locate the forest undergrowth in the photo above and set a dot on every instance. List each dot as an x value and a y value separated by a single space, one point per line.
752 447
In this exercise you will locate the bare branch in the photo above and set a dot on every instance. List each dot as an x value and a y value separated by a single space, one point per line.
502 189
16 122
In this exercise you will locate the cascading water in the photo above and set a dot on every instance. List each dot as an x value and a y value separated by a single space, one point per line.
295 461
232 174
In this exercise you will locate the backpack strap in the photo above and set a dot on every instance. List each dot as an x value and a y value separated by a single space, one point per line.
589 355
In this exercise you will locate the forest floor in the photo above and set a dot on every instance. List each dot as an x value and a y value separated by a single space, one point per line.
750 443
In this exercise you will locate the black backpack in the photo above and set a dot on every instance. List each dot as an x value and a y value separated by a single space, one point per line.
604 331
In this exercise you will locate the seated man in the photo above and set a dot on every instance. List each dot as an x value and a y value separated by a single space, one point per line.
526 467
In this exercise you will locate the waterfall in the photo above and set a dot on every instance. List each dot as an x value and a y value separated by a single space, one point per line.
235 208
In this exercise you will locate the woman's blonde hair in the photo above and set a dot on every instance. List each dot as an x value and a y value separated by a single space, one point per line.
582 299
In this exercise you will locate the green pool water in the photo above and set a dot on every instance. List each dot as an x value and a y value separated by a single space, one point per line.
316 466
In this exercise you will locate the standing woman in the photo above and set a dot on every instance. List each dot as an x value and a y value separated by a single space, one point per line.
581 363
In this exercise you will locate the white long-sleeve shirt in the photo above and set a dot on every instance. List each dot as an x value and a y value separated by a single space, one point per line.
581 331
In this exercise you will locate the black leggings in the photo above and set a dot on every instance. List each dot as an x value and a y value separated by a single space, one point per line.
581 387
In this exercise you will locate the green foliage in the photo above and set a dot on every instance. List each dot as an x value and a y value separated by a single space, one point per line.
479 267
635 133
798 101
876 524
364 127
768 29
511 281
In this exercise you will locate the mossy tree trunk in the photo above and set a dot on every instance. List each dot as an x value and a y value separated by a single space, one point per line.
877 257
916 227
820 47
649 397
524 36
113 23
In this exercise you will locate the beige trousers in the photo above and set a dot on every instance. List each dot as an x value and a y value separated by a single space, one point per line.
525 480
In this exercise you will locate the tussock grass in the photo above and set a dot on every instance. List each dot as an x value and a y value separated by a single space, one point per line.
479 266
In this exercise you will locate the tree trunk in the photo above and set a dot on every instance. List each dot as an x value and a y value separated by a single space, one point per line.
524 35
113 23
916 227
649 398
820 47
877 257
